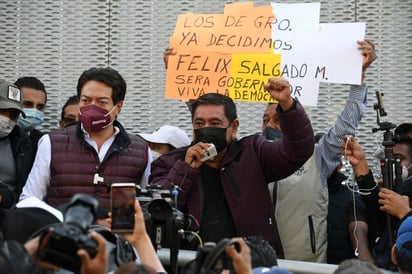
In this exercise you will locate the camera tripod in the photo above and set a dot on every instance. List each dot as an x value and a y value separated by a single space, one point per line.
391 167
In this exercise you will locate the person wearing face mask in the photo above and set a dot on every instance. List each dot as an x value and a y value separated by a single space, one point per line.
368 227
15 147
90 156
165 139
302 199
34 105
228 192
70 112
270 124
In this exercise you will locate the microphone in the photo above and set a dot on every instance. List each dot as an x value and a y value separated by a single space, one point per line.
379 153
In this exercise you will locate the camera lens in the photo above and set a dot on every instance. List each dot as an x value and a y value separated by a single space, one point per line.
160 209
81 211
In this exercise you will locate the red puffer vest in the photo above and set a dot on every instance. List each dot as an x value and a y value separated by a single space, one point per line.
74 164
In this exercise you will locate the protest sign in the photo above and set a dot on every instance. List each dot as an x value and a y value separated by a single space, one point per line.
236 52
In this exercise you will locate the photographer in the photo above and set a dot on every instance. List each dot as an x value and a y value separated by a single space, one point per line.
251 259
16 258
242 261
51 242
142 243
237 255
11 251
140 240
367 225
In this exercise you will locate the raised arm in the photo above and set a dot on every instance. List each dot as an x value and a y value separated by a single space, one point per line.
329 148
142 243
297 143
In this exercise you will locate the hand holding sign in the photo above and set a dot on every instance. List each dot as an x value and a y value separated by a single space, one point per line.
236 52
168 51
367 47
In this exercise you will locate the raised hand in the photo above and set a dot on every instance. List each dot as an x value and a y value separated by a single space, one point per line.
279 89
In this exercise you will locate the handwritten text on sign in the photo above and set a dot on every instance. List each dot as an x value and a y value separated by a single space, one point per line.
236 52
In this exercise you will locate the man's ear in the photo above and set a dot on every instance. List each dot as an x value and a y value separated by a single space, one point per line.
235 126
119 106
393 254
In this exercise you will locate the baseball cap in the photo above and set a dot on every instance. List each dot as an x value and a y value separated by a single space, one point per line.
168 135
10 96
404 237
403 129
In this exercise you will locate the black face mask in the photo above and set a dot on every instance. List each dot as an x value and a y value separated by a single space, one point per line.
214 135
271 133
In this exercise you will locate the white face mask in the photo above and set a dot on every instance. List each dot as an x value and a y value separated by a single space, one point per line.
405 171
6 126
155 155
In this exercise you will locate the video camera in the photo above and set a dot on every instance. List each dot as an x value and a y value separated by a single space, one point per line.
59 243
166 226
163 221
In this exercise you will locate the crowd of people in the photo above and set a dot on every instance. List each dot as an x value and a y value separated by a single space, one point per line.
283 186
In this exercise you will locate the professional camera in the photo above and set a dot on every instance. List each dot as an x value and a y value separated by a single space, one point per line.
166 226
163 221
60 242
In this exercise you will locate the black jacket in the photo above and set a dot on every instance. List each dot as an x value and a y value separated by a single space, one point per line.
367 209
24 152
14 259
339 246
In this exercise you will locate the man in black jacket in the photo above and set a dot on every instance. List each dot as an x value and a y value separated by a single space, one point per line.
368 225
16 148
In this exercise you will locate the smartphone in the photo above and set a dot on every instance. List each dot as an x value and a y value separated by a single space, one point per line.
122 199
379 106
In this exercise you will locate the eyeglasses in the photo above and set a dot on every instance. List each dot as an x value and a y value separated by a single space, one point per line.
67 121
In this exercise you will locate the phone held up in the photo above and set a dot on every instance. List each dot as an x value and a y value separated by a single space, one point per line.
122 200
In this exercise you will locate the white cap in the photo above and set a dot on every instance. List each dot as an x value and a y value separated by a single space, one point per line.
168 135
37 203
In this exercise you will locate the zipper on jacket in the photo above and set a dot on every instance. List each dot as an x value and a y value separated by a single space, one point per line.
312 234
